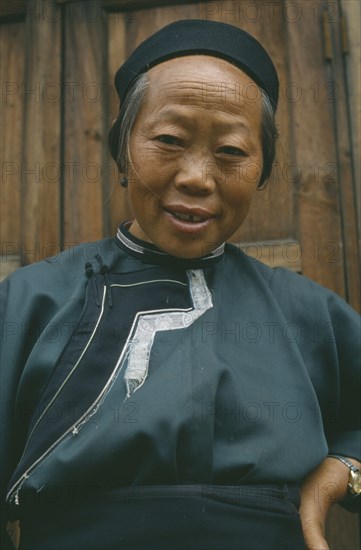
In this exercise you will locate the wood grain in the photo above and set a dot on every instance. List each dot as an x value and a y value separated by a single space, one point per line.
352 14
8 264
11 8
85 124
317 189
40 180
135 4
343 114
117 198
144 23
12 40
342 529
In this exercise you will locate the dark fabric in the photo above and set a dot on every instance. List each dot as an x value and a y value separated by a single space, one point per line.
164 518
192 37
93 350
258 389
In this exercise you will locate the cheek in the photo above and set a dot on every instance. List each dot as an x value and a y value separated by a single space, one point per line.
239 192
243 185
237 201
239 209
151 172
144 196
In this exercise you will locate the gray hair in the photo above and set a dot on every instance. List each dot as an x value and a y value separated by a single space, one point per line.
269 137
130 110
119 136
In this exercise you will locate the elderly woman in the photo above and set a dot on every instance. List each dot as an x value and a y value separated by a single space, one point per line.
140 414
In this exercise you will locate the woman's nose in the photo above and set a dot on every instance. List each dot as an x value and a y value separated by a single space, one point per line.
196 174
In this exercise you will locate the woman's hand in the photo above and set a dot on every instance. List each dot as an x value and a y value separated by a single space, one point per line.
322 488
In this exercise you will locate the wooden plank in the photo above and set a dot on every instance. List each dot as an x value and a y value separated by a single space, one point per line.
145 22
13 530
85 123
343 113
266 23
317 187
282 253
10 9
342 529
352 14
40 198
12 37
15 8
117 197
134 4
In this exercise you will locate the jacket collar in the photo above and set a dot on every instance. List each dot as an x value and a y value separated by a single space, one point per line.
150 254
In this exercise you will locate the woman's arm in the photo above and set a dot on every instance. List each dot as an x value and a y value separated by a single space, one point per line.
322 488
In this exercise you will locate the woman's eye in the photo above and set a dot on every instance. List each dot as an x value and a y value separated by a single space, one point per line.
168 140
234 151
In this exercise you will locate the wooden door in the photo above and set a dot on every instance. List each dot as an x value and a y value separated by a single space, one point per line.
60 186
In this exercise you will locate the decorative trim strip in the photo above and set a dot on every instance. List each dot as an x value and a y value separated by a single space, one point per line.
149 324
149 282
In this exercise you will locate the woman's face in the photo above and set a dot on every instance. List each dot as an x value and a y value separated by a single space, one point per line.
196 155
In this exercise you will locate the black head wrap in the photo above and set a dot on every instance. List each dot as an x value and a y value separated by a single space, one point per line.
195 37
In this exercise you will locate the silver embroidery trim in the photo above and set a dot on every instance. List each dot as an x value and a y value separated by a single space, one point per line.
148 325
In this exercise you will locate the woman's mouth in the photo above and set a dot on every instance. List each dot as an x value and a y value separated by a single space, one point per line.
188 217
188 221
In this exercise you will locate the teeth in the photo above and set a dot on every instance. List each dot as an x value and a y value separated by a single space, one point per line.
187 217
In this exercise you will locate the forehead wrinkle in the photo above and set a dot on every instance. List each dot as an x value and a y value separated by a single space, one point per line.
176 113
203 93
197 72
180 87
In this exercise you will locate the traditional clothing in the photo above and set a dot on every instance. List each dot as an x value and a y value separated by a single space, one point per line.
158 384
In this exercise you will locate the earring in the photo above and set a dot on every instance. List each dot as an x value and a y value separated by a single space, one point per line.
262 185
124 182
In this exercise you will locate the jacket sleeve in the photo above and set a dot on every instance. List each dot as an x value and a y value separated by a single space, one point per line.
343 430
20 326
18 335
331 349
30 300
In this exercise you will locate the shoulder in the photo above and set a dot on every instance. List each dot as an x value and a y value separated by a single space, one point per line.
56 279
65 266
292 291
